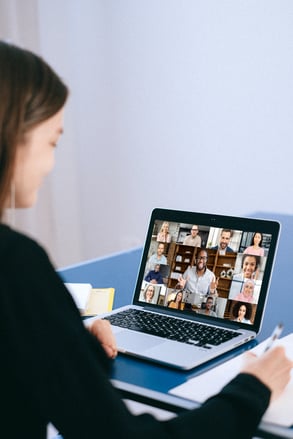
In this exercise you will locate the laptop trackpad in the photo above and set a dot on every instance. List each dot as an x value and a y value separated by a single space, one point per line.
131 341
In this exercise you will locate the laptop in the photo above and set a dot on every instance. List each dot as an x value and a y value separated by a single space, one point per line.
201 288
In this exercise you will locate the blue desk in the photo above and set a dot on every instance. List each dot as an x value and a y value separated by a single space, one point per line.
150 383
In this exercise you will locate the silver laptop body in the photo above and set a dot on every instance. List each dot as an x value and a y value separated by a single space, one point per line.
218 282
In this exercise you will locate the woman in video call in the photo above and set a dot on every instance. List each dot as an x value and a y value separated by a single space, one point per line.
242 312
164 235
53 368
149 293
249 268
246 294
177 301
255 247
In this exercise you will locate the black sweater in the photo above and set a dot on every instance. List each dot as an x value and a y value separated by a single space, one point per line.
53 370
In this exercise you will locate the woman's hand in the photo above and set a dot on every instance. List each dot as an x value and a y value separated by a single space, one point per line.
101 329
272 368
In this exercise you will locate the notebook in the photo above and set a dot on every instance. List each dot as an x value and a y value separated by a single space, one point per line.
201 288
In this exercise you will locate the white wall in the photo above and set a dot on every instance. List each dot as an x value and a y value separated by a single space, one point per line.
183 104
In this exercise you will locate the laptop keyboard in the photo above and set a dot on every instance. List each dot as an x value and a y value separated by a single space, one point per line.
171 328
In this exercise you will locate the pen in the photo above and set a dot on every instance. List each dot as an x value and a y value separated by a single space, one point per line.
276 334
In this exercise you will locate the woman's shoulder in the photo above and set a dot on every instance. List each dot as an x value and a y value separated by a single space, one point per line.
16 245
10 237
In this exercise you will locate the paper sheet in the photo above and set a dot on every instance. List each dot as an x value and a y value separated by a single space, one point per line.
211 382
80 293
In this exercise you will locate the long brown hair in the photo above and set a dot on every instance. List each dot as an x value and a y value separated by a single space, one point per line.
30 93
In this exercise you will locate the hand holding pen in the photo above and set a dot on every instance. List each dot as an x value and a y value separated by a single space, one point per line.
275 335
273 367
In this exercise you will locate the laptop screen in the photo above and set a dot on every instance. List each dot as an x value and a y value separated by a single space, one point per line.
213 266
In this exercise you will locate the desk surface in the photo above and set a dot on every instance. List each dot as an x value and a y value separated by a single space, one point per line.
150 383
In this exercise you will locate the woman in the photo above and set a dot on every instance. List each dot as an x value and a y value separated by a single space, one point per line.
242 312
148 293
246 295
52 368
250 268
164 235
177 301
255 247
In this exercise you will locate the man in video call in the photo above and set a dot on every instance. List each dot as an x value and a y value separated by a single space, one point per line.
223 247
193 239
154 276
199 279
157 258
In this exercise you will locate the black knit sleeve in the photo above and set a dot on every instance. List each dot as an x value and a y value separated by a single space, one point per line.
235 412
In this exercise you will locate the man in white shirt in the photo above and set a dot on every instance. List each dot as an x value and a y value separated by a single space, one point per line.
199 280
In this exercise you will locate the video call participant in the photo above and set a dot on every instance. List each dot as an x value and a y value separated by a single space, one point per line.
255 247
223 246
208 308
157 258
246 294
199 279
242 312
154 276
176 303
193 239
164 235
148 294
249 268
